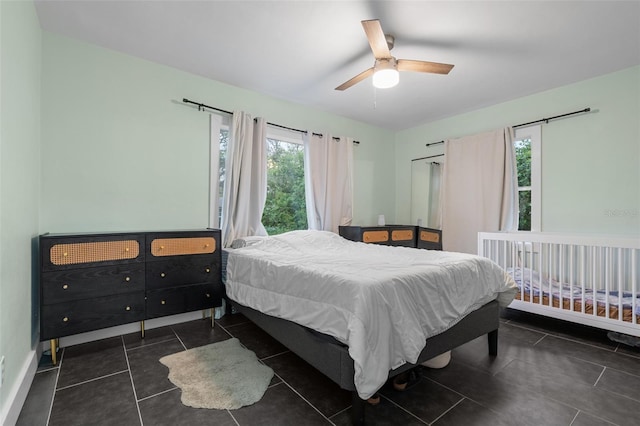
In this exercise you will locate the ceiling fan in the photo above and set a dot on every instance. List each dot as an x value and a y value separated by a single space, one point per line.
386 67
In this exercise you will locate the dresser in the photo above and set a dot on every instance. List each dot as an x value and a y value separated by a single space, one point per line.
395 235
94 281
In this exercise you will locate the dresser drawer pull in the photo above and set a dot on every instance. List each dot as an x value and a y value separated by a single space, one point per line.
162 302
162 274
207 270
208 295
128 308
65 319
65 286
127 279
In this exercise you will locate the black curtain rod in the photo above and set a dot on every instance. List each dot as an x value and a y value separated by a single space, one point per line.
202 106
430 156
546 120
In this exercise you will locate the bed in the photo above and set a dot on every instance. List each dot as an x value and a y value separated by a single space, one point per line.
591 280
362 313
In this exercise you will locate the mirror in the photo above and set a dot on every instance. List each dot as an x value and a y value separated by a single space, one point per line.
426 181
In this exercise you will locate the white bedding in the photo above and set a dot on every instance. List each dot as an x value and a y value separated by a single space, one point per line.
383 302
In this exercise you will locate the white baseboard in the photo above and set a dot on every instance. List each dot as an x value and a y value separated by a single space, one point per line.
20 390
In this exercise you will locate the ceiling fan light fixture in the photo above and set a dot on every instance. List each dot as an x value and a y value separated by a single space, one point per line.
385 74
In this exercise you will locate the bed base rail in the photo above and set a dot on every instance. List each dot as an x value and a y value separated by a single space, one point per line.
332 358
590 280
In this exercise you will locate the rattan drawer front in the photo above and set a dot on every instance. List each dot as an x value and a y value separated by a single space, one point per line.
430 237
402 235
182 246
90 252
375 236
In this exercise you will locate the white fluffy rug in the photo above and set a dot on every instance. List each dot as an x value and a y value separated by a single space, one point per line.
222 375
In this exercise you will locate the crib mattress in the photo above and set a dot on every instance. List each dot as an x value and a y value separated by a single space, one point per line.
531 287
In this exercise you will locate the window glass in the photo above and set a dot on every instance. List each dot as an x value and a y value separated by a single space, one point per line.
527 147
224 140
285 207
523 160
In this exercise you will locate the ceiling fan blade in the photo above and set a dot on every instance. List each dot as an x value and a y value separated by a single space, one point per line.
423 66
357 79
377 39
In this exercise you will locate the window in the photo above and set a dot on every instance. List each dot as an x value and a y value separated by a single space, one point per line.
527 146
285 208
224 140
218 139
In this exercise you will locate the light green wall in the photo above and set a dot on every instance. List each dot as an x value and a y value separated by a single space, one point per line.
20 50
590 163
120 151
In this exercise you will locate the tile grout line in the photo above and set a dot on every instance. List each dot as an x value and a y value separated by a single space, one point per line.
303 398
92 380
55 386
400 407
449 409
157 394
133 387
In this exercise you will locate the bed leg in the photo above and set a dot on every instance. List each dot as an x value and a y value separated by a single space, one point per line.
493 342
357 409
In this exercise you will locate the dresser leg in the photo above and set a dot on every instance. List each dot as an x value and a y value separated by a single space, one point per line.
213 317
54 348
142 329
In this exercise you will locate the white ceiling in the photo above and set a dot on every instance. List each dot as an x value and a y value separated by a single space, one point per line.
301 50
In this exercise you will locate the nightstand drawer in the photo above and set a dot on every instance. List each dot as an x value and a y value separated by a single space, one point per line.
64 319
178 272
74 284
430 239
181 299
390 235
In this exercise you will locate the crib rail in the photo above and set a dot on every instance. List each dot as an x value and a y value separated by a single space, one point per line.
591 280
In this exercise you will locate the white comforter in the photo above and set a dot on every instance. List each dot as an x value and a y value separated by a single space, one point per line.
383 302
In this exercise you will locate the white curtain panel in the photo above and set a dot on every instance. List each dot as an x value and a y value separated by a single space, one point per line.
328 173
245 186
480 191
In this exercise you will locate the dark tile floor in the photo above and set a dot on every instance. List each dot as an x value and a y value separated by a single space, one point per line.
547 372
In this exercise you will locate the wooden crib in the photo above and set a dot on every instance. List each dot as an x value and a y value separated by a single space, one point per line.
591 280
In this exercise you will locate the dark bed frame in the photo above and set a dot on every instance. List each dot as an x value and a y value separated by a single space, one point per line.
332 358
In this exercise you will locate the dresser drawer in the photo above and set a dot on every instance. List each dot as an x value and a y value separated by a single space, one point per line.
182 271
63 253
75 284
182 299
64 319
